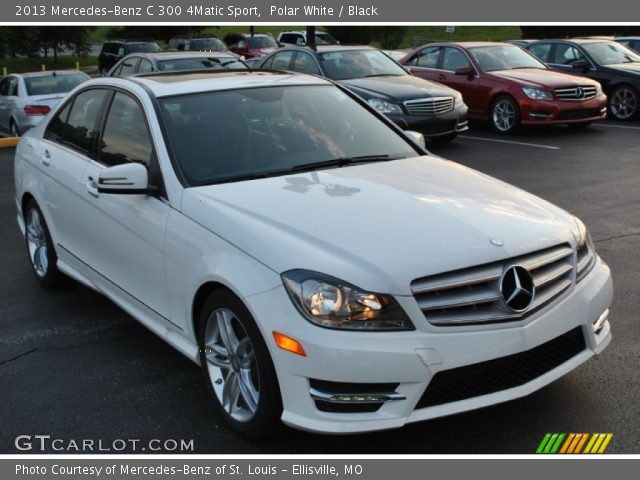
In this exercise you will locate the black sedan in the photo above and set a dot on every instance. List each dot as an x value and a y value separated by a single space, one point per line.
615 66
138 63
436 111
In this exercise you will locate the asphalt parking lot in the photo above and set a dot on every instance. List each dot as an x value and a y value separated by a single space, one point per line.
73 365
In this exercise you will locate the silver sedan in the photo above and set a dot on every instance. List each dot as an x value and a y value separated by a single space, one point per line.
26 98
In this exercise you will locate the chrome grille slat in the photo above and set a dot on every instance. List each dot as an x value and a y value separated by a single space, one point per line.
571 93
472 296
429 106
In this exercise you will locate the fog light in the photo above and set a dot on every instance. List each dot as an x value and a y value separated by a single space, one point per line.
599 324
289 344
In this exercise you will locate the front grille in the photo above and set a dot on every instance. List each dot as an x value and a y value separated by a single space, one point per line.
578 114
501 373
471 296
429 106
584 92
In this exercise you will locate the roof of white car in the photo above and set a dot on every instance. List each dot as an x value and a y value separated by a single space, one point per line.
164 84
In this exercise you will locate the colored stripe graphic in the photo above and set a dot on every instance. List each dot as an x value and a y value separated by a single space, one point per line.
573 443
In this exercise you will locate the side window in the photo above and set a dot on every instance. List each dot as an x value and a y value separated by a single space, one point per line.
567 54
542 51
288 38
125 138
81 129
4 87
268 64
427 58
282 60
454 59
120 51
145 66
241 44
55 129
304 63
128 66
12 86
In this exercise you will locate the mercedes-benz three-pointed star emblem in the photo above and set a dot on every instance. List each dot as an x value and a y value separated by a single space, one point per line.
517 288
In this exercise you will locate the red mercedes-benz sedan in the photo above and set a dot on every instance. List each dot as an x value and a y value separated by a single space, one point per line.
508 86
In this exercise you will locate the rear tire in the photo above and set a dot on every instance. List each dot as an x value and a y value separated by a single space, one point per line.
504 115
237 366
40 249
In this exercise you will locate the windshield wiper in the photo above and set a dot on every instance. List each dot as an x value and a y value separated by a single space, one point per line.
342 161
382 75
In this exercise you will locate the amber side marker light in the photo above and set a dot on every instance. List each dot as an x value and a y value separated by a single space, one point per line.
289 344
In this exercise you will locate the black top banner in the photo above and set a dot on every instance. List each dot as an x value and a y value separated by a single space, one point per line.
318 11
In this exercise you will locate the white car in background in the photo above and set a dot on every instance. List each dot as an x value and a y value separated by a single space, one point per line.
25 98
299 38
323 268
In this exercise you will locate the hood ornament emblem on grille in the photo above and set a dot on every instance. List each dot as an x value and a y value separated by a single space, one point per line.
517 288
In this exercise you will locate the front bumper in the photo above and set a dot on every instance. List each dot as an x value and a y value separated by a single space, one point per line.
448 123
409 360
537 112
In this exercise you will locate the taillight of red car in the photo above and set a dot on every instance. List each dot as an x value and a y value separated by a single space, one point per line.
36 109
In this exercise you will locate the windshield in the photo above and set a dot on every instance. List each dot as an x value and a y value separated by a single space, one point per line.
143 47
504 57
262 42
610 53
203 63
345 64
213 44
241 134
52 83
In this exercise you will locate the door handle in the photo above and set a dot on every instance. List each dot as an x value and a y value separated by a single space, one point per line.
46 158
441 77
92 188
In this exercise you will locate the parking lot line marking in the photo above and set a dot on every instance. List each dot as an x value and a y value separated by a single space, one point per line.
536 145
628 127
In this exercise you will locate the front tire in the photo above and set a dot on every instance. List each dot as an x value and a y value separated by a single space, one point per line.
40 249
505 115
624 103
237 366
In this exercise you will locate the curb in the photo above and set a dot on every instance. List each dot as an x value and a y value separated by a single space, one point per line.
9 142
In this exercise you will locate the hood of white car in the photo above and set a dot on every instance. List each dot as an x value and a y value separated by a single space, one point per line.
379 225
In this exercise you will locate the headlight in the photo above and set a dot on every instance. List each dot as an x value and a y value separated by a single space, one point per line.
332 303
458 100
537 94
586 251
383 106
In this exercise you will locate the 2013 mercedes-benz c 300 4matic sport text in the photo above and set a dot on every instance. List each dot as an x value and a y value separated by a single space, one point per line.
323 268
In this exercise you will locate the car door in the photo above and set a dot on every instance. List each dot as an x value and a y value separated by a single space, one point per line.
474 88
124 234
9 93
62 157
424 63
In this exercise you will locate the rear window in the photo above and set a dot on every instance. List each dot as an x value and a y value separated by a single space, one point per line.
50 84
143 47
204 63
211 44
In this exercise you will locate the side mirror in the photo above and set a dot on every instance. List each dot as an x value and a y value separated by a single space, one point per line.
127 179
416 137
465 71
583 65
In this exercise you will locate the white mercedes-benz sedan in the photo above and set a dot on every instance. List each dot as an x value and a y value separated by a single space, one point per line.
316 261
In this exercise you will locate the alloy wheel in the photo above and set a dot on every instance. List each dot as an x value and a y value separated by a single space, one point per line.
232 365
504 115
624 103
37 243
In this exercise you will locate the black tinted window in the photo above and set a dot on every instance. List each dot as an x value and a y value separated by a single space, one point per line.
541 50
81 129
454 59
125 138
55 129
